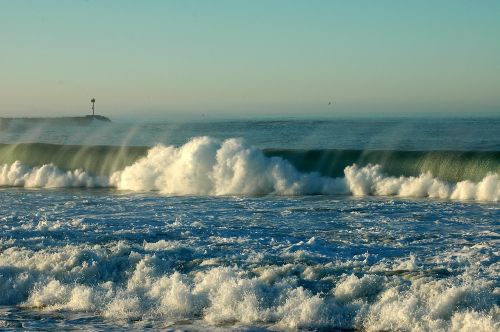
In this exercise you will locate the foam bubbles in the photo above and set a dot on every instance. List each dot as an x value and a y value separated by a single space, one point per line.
207 166
46 176
125 285
430 305
370 180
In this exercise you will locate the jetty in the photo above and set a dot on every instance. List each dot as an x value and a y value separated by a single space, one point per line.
5 122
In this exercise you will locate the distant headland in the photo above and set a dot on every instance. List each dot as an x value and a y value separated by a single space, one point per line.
79 120
75 120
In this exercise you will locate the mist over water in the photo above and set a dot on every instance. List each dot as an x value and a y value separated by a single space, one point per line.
282 225
414 134
207 166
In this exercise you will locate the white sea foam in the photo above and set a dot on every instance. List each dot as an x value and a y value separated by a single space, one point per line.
207 166
46 176
119 283
210 167
370 180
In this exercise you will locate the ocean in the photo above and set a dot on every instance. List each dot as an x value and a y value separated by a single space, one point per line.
358 224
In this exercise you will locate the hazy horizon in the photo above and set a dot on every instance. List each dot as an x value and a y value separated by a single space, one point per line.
221 59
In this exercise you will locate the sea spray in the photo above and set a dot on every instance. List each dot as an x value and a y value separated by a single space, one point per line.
449 166
207 166
370 180
47 176
210 167
93 159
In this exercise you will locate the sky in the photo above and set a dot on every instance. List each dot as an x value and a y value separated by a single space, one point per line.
260 57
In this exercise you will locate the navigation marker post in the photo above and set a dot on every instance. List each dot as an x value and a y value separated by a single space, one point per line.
93 102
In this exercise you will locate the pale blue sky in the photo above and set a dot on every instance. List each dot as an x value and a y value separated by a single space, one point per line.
249 57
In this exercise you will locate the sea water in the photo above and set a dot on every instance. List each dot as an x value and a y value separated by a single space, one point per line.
370 225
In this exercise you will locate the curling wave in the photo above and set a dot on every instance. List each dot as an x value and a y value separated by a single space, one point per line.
451 166
207 166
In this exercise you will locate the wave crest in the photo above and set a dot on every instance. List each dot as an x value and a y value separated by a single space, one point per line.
46 176
207 166
370 180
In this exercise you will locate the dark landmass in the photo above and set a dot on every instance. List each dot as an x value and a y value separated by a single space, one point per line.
78 120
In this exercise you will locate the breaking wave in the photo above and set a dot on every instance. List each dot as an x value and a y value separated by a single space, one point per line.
207 166
125 282
451 166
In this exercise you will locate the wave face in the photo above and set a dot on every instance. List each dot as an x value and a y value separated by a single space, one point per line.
96 160
450 166
207 166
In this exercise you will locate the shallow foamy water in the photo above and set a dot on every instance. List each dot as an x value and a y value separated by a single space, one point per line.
104 259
